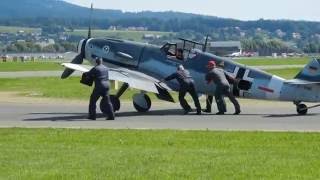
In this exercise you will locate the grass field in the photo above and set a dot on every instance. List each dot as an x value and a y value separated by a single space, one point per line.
289 73
151 154
129 35
273 61
30 66
52 87
13 29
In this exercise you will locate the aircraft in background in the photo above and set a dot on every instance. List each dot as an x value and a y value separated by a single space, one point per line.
141 66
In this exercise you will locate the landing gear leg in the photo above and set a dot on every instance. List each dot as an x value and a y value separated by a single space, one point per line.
115 99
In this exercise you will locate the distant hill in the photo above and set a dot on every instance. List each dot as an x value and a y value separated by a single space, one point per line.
55 16
62 9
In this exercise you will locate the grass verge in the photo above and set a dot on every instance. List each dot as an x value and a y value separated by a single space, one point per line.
30 66
161 154
52 87
288 73
273 61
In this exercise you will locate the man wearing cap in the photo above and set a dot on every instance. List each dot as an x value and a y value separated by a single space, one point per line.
186 85
100 75
218 76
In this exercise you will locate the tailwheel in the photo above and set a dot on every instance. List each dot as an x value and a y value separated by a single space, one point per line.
114 101
142 102
302 109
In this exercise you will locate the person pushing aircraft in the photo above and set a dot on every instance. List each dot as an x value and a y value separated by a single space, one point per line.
218 76
186 85
100 75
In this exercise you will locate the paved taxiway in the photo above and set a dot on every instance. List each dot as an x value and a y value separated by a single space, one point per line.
256 116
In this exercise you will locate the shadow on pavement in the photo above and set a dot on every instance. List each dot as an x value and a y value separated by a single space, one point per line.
171 112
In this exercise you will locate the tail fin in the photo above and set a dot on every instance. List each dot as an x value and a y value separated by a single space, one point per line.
311 72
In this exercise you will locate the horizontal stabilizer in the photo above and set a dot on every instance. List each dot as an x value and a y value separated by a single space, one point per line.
301 82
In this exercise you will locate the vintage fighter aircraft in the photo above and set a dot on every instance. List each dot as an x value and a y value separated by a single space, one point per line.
142 66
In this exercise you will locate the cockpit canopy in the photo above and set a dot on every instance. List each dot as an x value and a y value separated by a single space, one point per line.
183 49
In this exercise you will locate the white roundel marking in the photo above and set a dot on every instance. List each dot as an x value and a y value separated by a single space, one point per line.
106 49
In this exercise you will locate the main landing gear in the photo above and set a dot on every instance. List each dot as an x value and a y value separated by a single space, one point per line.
115 99
141 101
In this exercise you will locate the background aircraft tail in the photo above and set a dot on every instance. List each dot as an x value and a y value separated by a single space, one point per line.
311 72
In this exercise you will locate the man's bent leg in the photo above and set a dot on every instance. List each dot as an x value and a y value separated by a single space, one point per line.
195 98
184 104
209 100
220 101
234 102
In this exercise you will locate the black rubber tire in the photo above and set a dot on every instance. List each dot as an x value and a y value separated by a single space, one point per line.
114 101
147 100
302 109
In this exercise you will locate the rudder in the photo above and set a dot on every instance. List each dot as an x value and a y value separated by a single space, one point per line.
311 72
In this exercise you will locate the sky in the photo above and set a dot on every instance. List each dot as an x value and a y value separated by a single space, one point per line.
237 9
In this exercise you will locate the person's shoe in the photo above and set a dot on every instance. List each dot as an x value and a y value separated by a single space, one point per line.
186 111
198 112
91 117
237 112
110 118
220 113
207 110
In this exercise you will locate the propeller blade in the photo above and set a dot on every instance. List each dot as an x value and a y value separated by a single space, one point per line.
67 72
89 31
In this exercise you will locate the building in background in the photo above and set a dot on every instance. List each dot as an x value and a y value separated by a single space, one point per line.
225 48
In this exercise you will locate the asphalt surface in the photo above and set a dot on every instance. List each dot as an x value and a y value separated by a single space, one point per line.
256 116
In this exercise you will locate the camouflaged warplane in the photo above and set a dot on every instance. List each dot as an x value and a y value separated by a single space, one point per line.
142 66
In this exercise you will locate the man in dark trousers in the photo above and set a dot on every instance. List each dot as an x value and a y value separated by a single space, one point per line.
186 85
100 75
209 98
218 76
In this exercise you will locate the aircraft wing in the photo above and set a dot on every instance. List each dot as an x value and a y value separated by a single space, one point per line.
301 82
135 80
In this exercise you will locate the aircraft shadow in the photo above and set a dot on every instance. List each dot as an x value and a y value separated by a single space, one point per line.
172 112
61 117
288 115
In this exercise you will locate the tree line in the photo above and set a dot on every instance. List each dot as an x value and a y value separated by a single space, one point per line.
30 47
261 35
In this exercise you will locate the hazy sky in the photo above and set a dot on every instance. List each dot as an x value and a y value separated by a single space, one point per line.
238 9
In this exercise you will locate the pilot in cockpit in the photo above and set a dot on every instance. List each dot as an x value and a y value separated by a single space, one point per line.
179 54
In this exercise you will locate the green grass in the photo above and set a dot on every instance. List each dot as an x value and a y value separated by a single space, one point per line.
51 87
273 61
129 35
30 66
288 73
13 29
161 154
